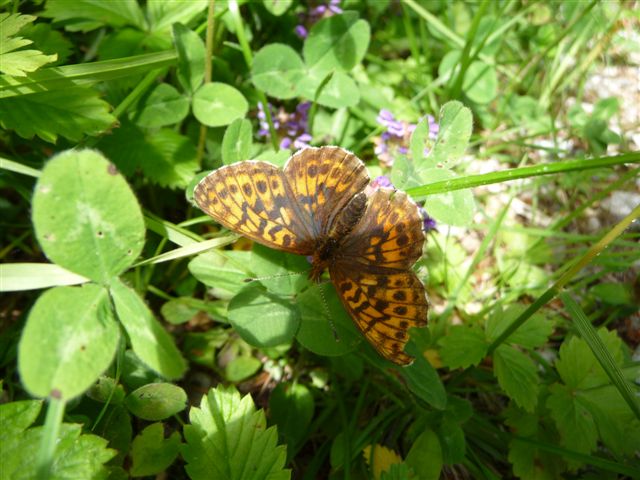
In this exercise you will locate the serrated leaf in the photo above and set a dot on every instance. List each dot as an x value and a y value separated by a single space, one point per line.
70 112
236 143
21 62
380 459
456 123
425 456
191 57
463 346
69 339
277 70
228 438
164 105
532 334
49 41
573 419
151 343
156 401
10 24
86 217
217 104
16 417
261 318
451 208
77 455
579 368
517 375
151 453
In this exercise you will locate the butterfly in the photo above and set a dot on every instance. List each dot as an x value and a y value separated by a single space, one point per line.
317 206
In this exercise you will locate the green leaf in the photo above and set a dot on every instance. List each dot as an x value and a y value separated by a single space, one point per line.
280 273
191 57
16 417
71 112
86 217
463 346
106 390
579 368
69 339
150 342
340 91
277 7
88 15
162 14
456 124
480 82
115 427
291 408
316 332
224 272
49 41
261 318
418 142
277 70
151 453
31 276
77 455
20 62
613 293
338 42
517 375
162 106
451 208
237 141
423 380
156 401
573 419
228 438
178 310
241 368
165 157
218 104
425 456
534 333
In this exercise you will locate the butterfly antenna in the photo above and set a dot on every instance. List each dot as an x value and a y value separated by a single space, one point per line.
328 312
278 275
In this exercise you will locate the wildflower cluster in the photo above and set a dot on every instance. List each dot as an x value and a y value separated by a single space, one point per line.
307 19
291 128
395 139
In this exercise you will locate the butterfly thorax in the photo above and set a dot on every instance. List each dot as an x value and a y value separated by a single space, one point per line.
327 249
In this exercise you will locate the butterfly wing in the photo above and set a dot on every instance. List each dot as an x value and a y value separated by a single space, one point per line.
324 180
254 199
373 275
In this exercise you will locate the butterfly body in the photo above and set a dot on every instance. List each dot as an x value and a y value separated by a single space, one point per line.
316 206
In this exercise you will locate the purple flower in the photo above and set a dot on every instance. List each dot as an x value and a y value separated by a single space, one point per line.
381 182
301 31
313 15
291 128
428 223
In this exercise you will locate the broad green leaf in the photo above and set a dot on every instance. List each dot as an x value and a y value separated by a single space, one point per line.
16 417
88 14
237 141
77 455
613 293
162 106
241 368
280 273
115 426
277 7
340 91
316 331
191 57
106 390
31 276
291 408
425 456
71 112
418 142
150 342
162 14
224 272
228 438
277 70
49 41
218 104
517 375
463 346
453 441
534 333
451 208
573 419
156 401
423 380
69 339
178 310
165 156
263 319
151 453
578 367
86 217
456 124
337 42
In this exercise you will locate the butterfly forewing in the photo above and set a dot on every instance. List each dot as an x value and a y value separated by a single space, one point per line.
253 198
